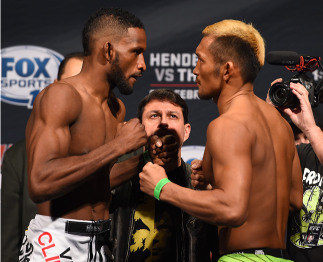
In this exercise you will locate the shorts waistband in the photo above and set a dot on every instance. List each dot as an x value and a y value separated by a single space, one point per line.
87 228
275 252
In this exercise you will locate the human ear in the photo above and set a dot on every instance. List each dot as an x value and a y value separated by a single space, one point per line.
187 131
228 69
108 51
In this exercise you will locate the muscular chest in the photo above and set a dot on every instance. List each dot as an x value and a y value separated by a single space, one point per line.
95 127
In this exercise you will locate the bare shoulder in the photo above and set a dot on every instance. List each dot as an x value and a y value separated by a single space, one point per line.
270 111
61 89
275 119
59 100
227 135
229 125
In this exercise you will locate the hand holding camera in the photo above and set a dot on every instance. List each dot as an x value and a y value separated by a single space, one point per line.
302 115
281 94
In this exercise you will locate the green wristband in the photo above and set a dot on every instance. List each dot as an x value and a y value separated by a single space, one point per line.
159 187
146 156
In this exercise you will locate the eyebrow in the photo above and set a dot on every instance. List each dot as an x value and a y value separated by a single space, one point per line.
158 111
138 48
199 55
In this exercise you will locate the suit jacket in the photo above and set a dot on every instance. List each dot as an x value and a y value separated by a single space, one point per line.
17 209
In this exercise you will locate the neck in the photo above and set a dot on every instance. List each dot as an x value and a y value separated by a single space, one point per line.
94 80
231 93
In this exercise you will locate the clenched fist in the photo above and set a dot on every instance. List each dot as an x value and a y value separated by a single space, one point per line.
132 135
164 151
149 177
197 178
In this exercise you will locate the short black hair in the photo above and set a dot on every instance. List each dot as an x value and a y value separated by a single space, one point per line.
108 18
61 69
163 95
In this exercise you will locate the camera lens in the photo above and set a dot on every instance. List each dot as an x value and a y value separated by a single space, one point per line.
278 94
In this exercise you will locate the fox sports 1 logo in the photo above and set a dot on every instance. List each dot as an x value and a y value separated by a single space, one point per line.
25 71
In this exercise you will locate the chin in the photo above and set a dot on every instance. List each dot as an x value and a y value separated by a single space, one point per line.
126 90
204 96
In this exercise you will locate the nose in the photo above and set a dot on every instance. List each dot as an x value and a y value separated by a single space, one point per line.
163 122
141 63
195 70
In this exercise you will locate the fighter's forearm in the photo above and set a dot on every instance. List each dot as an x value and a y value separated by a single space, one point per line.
315 136
212 206
125 170
58 176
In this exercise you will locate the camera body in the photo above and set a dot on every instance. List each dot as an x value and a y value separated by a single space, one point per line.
280 94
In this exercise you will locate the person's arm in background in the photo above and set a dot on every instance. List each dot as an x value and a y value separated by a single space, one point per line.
17 209
303 118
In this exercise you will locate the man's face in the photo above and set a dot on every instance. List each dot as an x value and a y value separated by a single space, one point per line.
206 71
163 118
129 62
300 138
310 238
72 67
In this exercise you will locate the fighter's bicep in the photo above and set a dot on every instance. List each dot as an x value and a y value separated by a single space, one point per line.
54 140
50 133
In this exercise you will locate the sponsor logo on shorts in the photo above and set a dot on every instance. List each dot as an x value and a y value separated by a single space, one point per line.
94 228
49 250
26 70
259 252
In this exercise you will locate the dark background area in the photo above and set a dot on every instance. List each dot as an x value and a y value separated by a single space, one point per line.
171 27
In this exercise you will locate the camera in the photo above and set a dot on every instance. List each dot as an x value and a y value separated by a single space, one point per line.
280 94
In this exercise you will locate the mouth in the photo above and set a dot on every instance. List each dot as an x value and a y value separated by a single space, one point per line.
136 76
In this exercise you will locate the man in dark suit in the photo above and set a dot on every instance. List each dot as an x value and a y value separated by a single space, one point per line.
17 209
